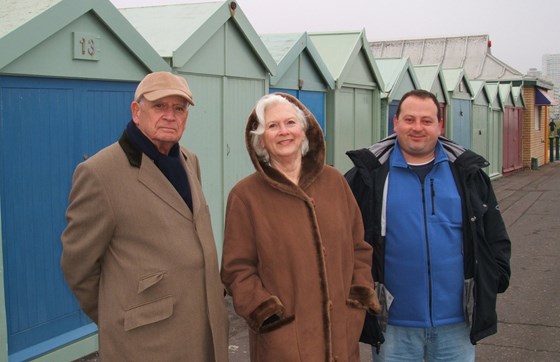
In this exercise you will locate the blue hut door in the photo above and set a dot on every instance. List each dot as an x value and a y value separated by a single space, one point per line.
462 129
47 126
313 100
392 111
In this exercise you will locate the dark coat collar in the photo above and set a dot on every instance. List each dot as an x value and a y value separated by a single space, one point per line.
133 154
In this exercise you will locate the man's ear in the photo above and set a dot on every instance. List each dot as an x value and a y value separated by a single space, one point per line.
135 111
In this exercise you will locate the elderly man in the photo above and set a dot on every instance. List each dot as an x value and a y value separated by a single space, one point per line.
138 251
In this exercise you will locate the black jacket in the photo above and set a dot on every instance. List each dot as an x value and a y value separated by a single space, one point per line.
486 244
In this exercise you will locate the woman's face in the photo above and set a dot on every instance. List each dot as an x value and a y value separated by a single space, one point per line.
283 133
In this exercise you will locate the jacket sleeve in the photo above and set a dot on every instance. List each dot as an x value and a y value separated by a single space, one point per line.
356 184
361 196
90 225
239 270
362 292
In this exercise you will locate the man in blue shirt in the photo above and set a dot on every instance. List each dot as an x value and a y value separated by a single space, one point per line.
441 250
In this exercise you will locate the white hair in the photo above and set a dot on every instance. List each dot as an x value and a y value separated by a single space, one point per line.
256 134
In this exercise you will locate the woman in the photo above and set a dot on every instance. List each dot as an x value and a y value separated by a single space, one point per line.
294 257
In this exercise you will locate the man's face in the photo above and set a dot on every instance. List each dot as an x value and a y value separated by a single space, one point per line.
417 129
163 121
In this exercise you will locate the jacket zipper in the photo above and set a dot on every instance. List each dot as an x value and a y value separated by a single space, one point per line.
427 251
433 196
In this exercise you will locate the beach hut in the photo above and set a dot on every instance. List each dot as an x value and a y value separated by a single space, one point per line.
512 130
300 71
430 78
459 124
68 71
398 78
353 106
519 98
545 101
228 67
495 131
480 118
532 96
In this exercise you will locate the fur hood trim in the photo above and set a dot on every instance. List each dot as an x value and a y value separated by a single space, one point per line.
312 163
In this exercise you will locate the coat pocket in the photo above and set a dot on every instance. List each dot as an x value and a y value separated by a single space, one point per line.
280 344
148 313
149 281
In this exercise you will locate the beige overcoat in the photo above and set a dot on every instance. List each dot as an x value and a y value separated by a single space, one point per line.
298 252
141 264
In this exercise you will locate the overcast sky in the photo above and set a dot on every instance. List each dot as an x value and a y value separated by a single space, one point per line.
521 31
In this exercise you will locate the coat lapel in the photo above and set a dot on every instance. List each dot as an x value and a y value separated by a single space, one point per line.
150 176
194 183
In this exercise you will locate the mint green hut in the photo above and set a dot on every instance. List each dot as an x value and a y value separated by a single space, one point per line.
495 131
354 105
480 119
518 97
398 77
68 71
228 68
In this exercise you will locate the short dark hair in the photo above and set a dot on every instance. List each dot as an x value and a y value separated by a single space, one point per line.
422 94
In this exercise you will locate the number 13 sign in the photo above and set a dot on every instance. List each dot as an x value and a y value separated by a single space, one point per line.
86 46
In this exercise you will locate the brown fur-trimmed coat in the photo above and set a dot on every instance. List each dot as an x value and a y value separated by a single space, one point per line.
298 252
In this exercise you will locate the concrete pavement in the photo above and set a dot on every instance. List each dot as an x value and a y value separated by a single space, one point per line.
529 311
